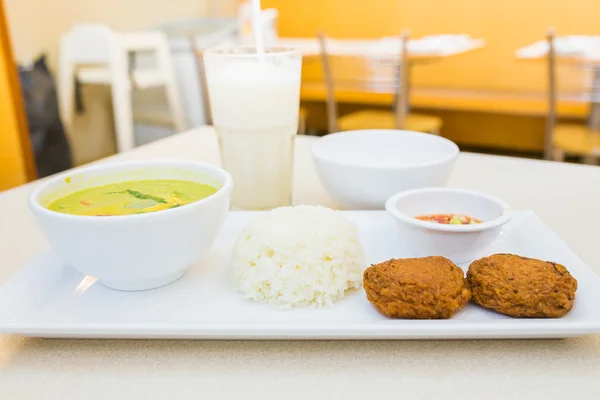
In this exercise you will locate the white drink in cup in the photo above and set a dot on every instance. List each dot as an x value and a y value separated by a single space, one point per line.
254 99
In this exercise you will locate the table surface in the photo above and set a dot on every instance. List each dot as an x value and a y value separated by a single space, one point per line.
538 50
566 196
347 47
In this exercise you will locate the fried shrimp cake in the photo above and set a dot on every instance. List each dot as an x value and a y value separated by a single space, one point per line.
522 287
417 288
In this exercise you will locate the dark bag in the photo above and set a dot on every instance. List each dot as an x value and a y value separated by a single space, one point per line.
50 144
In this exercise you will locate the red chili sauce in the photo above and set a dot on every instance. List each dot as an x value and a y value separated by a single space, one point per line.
449 219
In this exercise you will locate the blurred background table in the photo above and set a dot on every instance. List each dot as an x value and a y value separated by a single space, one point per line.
427 48
515 369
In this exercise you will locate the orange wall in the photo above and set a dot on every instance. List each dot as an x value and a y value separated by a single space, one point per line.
506 25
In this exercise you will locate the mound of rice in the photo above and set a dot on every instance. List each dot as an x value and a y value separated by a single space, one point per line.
297 256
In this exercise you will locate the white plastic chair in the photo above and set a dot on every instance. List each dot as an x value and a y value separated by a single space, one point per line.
94 54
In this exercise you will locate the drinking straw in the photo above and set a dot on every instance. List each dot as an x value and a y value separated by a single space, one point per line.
257 28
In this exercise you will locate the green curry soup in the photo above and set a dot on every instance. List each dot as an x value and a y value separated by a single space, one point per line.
136 197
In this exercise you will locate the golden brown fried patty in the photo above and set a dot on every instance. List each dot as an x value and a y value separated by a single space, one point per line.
522 287
417 288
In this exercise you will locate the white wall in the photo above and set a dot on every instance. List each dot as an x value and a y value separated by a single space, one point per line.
36 25
223 8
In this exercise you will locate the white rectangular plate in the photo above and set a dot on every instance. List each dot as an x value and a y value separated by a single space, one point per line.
48 299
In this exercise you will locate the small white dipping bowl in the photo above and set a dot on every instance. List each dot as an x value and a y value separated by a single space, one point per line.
362 169
459 243
134 252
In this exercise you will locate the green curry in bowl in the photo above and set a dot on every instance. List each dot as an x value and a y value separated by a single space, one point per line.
135 197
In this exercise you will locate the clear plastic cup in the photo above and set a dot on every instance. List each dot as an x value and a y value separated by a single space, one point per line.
254 101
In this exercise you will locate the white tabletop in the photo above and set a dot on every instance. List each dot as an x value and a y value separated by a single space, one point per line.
584 48
566 196
426 47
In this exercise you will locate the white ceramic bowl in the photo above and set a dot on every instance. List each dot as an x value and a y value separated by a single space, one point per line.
459 243
362 169
134 252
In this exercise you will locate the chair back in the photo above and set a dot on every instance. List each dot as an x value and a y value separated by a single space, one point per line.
401 95
373 66
87 44
551 72
198 54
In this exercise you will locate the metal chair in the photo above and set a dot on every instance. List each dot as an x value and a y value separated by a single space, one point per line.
372 73
562 139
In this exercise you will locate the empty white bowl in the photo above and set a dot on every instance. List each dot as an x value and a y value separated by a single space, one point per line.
134 252
459 243
362 169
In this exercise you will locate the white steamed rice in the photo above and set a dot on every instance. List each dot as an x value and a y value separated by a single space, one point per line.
297 256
